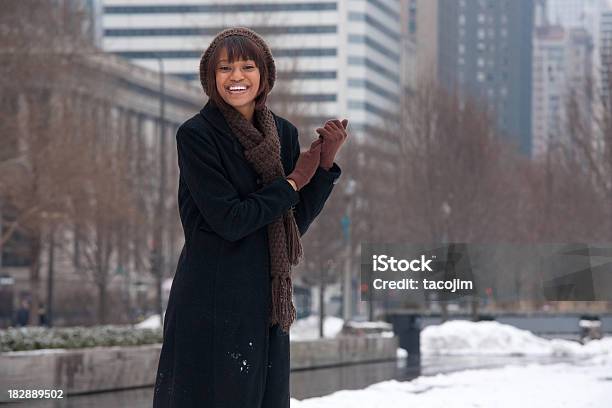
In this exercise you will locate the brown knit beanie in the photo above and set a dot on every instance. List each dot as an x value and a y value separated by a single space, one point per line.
245 32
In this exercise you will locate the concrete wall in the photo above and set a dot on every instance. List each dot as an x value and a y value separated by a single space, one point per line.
111 368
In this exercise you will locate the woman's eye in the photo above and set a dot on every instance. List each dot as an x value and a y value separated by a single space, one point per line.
249 66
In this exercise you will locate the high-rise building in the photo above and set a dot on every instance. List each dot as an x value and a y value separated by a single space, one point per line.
409 46
485 50
561 66
427 39
589 15
574 13
334 58
419 43
93 8
605 67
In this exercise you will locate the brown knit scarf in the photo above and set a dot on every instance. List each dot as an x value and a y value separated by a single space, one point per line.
262 151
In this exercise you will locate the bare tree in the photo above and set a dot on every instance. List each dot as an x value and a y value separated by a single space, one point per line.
36 39
451 165
588 155
61 164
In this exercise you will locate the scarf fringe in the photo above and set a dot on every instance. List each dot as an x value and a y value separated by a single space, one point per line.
283 311
294 245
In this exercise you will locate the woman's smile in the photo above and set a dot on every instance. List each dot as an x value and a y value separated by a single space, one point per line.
237 89
238 83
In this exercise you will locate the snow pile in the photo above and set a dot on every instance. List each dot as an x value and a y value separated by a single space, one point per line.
151 322
460 337
308 328
537 386
302 329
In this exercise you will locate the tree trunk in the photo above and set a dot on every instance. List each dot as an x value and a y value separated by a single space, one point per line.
474 308
443 310
35 249
50 278
322 303
102 297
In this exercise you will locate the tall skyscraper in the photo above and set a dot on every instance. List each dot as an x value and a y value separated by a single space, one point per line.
561 67
93 9
485 50
585 14
419 43
409 46
334 58
606 53
574 13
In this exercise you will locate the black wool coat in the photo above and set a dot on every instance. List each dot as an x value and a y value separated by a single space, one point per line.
216 333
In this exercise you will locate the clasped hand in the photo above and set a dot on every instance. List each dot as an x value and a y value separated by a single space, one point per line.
322 152
333 134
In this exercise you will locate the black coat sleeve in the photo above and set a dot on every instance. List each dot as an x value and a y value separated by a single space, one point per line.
228 215
314 194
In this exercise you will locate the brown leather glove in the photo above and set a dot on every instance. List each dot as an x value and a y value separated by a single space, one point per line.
333 134
306 165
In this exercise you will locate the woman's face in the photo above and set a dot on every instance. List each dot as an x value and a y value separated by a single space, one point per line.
237 82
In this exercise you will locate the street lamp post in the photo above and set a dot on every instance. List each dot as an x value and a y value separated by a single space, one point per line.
1 240
347 304
158 257
446 212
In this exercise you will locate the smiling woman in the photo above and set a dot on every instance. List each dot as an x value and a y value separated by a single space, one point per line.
239 62
226 332
238 83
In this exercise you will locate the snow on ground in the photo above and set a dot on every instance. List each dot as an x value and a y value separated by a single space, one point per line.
456 337
460 337
302 329
151 322
308 328
537 386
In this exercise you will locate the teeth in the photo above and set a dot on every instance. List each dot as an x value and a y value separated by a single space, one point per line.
237 88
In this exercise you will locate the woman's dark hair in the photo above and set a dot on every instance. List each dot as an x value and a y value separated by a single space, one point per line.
238 47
